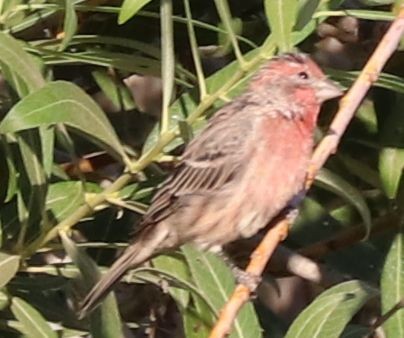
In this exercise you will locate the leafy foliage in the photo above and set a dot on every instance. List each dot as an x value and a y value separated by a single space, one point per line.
84 114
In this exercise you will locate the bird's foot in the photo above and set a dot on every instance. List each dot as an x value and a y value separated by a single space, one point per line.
242 277
248 279
292 214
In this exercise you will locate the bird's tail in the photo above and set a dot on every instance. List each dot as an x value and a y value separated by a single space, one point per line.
149 242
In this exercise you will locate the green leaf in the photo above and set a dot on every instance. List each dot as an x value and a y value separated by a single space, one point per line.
314 223
185 131
193 327
366 114
69 24
361 169
281 16
33 324
336 184
224 39
177 268
63 102
8 267
63 198
330 312
73 333
104 320
15 82
31 154
391 165
4 300
167 60
33 18
12 177
305 13
392 286
32 183
178 112
216 281
47 136
391 157
130 8
114 91
387 81
18 61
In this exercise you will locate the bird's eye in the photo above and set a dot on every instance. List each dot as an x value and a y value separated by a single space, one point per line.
303 75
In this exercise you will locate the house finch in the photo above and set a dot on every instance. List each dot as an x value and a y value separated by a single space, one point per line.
243 169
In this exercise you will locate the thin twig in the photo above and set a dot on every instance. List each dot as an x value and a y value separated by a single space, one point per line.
328 146
195 51
382 319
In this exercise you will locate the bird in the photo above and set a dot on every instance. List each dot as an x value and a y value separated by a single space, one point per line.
243 169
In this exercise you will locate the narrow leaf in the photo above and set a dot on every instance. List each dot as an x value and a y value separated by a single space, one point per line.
8 267
391 166
104 320
32 183
391 157
130 8
178 269
12 177
281 16
119 94
63 198
4 300
69 25
47 136
33 324
305 14
216 281
14 56
339 186
31 154
193 327
392 286
330 312
63 102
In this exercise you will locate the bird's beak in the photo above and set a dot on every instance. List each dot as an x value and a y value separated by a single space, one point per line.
327 89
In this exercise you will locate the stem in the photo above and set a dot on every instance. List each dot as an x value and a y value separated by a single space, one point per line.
195 52
223 9
167 60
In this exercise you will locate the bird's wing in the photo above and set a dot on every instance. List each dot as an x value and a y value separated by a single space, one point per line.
209 162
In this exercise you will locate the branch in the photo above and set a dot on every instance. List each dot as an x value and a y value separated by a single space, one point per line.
348 105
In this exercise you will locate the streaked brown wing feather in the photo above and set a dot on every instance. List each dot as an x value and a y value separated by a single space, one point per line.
208 164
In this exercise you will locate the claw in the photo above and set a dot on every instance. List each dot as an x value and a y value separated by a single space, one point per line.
248 279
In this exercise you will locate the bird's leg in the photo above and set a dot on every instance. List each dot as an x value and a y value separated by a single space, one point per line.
295 202
292 211
248 279
242 277
291 215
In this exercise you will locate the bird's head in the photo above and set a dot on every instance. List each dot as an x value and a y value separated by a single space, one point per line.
295 77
